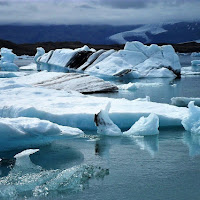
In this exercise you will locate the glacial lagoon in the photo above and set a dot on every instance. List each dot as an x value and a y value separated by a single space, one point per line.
101 167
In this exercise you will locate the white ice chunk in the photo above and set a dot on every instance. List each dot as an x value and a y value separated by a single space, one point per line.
105 125
192 121
144 126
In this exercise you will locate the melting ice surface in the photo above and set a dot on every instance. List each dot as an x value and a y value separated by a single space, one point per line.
164 166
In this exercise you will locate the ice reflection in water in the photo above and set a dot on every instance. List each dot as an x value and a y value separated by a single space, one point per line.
193 142
147 143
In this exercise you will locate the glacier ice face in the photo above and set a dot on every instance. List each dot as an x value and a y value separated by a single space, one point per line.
105 125
7 60
144 126
136 60
192 121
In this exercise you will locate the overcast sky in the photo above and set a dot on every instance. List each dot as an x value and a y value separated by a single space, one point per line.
114 12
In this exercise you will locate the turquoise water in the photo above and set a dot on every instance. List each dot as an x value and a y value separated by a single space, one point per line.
150 168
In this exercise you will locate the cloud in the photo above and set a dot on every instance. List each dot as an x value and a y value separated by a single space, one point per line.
137 4
4 3
113 12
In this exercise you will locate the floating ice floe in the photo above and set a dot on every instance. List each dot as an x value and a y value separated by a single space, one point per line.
136 60
184 101
76 110
135 86
194 70
192 121
7 60
23 132
195 54
31 66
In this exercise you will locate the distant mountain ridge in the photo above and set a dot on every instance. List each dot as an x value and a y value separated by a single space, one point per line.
102 34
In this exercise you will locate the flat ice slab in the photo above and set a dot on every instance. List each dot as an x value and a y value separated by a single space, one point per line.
20 99
22 132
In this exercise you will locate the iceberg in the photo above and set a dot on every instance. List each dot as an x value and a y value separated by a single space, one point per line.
144 126
76 110
7 60
135 60
192 121
184 101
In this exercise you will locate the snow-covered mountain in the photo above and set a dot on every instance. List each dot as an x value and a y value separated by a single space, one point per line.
160 33
141 32
102 34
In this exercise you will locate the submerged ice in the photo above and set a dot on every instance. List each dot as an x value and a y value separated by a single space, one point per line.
31 180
